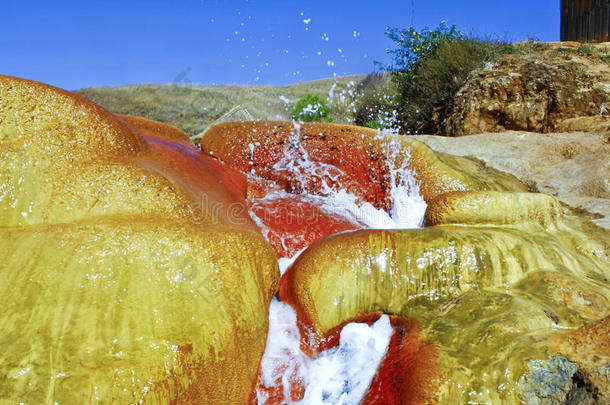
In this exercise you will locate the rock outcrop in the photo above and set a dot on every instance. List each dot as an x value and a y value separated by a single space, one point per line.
126 273
533 92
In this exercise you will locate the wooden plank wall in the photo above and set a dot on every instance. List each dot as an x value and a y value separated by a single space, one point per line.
585 20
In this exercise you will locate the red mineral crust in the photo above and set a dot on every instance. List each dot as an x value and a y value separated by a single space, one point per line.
293 223
409 372
361 155
258 146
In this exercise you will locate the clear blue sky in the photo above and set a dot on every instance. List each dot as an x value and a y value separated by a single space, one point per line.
76 44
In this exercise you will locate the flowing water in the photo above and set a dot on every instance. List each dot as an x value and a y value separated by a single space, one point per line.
342 374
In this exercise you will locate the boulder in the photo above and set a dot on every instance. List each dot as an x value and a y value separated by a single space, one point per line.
533 93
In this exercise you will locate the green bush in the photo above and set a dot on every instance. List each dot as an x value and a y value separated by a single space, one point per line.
585 50
415 46
429 67
311 108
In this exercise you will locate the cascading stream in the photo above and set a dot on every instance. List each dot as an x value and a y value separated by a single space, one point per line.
340 375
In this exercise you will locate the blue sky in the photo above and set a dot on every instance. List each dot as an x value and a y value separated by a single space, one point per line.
76 44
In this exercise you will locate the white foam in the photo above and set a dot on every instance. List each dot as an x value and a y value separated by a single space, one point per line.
283 357
340 375
343 374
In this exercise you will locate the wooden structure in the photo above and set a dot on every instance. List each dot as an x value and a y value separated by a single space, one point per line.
585 20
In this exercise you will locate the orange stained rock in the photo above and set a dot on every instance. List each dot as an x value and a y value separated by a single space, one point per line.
141 276
360 169
275 394
217 189
364 155
291 224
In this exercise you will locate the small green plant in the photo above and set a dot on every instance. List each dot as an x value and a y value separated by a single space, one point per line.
311 108
585 50
375 124
605 58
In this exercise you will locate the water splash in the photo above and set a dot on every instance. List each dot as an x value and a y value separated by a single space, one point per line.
408 206
340 375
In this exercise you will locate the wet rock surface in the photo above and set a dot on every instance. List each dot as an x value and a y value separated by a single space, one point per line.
496 271
124 276
361 156
128 265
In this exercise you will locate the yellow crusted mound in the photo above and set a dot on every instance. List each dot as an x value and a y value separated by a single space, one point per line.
493 208
126 273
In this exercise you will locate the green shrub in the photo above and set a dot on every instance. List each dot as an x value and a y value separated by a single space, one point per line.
311 108
429 67
414 46
585 50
